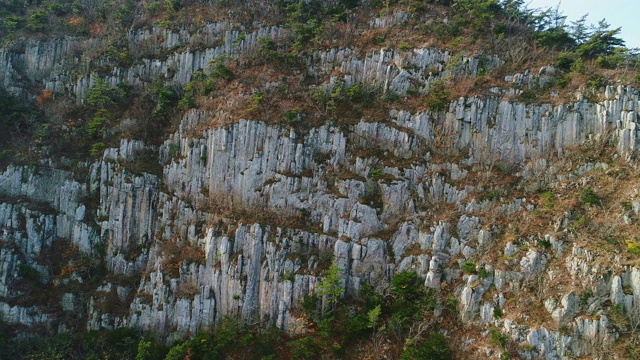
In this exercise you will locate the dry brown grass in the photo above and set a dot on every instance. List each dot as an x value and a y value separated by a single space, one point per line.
188 289
176 252
227 208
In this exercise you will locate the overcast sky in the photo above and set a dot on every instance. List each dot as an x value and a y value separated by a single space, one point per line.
619 13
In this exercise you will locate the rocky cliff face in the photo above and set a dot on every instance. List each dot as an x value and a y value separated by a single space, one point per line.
244 218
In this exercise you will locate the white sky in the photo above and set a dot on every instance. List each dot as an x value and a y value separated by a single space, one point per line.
619 13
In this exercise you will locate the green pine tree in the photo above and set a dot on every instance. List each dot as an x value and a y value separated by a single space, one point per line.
331 287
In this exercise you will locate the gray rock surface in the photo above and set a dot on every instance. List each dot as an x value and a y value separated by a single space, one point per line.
245 218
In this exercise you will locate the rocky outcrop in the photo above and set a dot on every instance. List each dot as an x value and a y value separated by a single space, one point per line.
261 272
64 65
243 220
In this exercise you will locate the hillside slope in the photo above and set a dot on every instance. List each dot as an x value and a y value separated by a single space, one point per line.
310 179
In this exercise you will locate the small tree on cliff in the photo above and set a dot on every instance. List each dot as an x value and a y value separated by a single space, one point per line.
331 287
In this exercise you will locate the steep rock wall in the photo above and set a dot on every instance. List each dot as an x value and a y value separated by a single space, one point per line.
213 235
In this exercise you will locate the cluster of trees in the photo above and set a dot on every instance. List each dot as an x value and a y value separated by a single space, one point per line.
547 26
17 117
99 117
75 17
20 121
37 16
578 38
